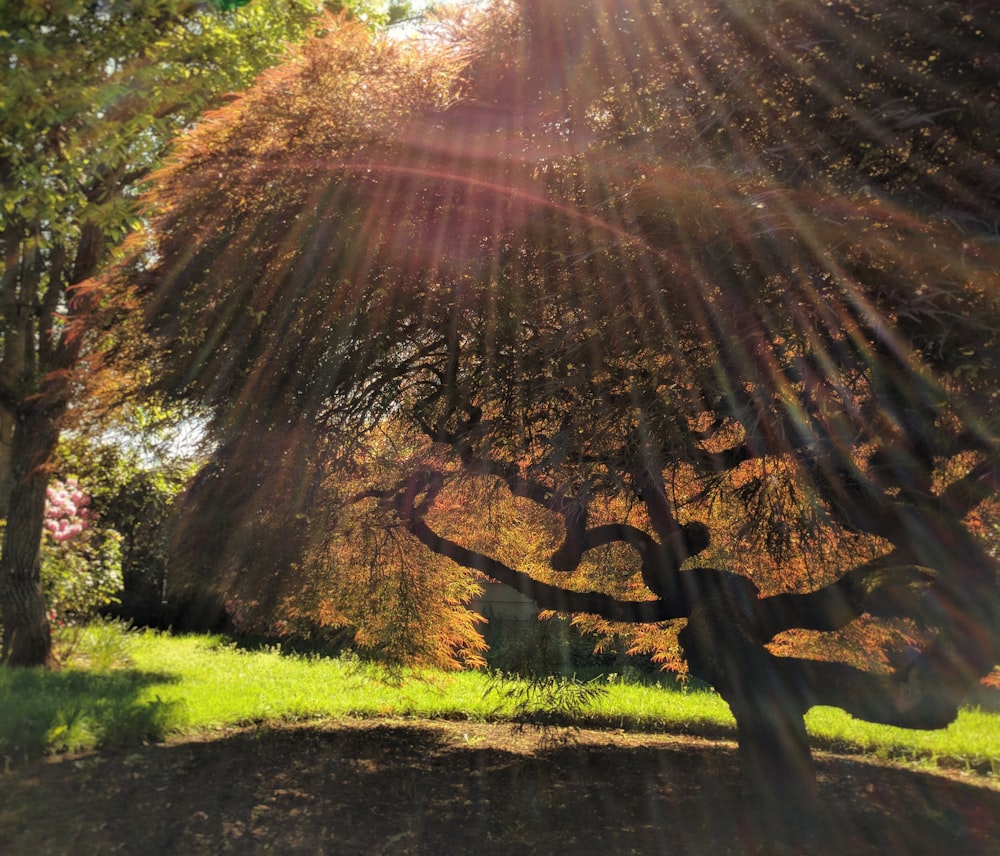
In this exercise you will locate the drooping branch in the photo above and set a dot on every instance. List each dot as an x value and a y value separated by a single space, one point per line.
545 595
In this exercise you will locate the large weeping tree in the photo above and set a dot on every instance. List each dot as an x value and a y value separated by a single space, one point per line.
710 286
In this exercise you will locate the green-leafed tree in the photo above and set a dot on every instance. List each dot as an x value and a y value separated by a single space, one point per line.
91 93
711 287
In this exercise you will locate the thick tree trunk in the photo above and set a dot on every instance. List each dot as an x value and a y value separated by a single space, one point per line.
27 638
779 779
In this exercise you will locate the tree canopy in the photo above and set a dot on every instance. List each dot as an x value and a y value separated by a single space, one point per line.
711 287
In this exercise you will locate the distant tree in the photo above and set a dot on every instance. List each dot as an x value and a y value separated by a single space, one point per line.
712 288
91 94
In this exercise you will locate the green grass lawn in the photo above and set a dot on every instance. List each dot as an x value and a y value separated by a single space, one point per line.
121 689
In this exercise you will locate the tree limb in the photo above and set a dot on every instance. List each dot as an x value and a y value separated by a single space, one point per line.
916 697
546 596
979 484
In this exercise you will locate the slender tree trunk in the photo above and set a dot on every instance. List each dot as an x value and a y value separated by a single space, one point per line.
41 360
27 638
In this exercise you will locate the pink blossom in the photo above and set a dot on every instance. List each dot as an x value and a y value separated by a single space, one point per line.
67 531
66 510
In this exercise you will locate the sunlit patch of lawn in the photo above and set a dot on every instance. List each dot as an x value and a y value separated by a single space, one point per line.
123 688
971 742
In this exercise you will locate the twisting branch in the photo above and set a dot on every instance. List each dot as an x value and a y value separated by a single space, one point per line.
888 586
546 596
979 484
570 553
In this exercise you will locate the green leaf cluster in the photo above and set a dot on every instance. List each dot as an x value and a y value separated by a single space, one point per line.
82 576
91 94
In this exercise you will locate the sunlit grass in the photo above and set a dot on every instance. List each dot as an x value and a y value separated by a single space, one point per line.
971 742
148 686
668 708
224 685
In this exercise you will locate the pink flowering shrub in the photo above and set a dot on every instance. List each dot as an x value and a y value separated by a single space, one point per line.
66 514
81 561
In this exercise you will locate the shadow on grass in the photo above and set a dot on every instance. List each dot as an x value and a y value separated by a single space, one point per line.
45 712
465 788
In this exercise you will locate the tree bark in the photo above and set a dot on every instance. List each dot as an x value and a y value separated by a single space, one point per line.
779 779
40 365
6 461
937 574
776 766
27 639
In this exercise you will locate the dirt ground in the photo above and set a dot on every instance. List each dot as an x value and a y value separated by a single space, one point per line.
414 787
